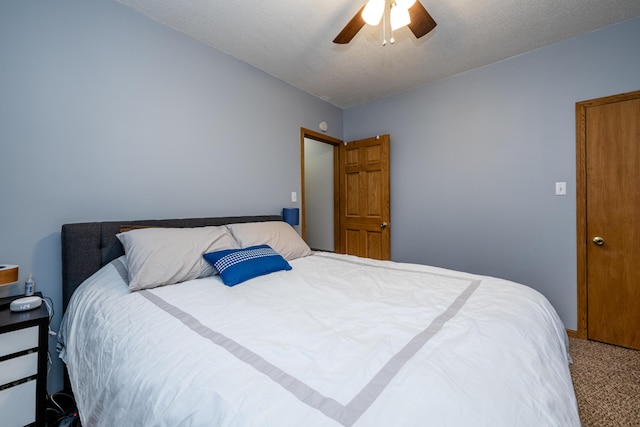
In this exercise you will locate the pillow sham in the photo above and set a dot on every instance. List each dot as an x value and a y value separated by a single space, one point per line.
239 265
278 234
164 256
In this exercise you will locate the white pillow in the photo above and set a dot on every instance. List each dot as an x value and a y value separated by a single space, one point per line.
277 234
164 256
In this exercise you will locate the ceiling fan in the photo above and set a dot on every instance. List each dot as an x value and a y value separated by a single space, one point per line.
401 13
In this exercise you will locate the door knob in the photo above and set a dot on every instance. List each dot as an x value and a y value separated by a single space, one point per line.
598 241
383 225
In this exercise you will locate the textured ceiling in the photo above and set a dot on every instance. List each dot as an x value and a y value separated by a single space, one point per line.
292 39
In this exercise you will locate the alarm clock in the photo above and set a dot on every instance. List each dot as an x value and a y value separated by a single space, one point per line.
26 303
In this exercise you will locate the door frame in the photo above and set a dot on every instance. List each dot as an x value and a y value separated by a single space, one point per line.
335 142
581 200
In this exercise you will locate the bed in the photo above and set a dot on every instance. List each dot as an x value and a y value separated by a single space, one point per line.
284 336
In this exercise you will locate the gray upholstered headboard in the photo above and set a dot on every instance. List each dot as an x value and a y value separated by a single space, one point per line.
88 246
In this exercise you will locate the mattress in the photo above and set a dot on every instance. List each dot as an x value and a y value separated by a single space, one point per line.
337 340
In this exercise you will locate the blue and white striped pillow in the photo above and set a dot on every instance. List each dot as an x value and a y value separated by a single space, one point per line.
238 265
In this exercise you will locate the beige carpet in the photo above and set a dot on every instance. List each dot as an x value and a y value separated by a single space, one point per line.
607 383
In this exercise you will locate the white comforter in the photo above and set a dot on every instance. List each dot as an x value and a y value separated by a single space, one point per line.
338 340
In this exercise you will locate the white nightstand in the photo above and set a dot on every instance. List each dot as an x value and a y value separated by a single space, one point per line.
23 366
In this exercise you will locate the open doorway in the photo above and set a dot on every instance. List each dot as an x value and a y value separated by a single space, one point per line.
320 190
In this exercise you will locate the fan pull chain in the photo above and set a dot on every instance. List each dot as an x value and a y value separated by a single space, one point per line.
391 4
384 29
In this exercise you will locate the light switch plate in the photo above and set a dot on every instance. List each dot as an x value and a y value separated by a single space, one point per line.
561 188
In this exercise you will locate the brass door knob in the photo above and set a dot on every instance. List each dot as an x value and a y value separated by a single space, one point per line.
383 225
598 241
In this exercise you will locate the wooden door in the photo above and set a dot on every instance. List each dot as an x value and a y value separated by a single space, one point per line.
364 198
612 167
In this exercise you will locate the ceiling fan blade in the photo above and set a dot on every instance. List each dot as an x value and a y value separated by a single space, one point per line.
421 21
351 29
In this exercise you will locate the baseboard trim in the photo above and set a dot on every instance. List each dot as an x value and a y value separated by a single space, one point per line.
573 334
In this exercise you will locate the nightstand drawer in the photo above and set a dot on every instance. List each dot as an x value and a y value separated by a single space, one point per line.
18 368
18 405
20 340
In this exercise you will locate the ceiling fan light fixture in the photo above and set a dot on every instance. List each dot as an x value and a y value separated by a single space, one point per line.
373 11
399 17
399 12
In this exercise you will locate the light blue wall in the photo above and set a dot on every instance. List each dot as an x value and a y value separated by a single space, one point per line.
106 114
475 158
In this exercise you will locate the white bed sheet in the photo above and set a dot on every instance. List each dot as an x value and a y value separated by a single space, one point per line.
338 340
